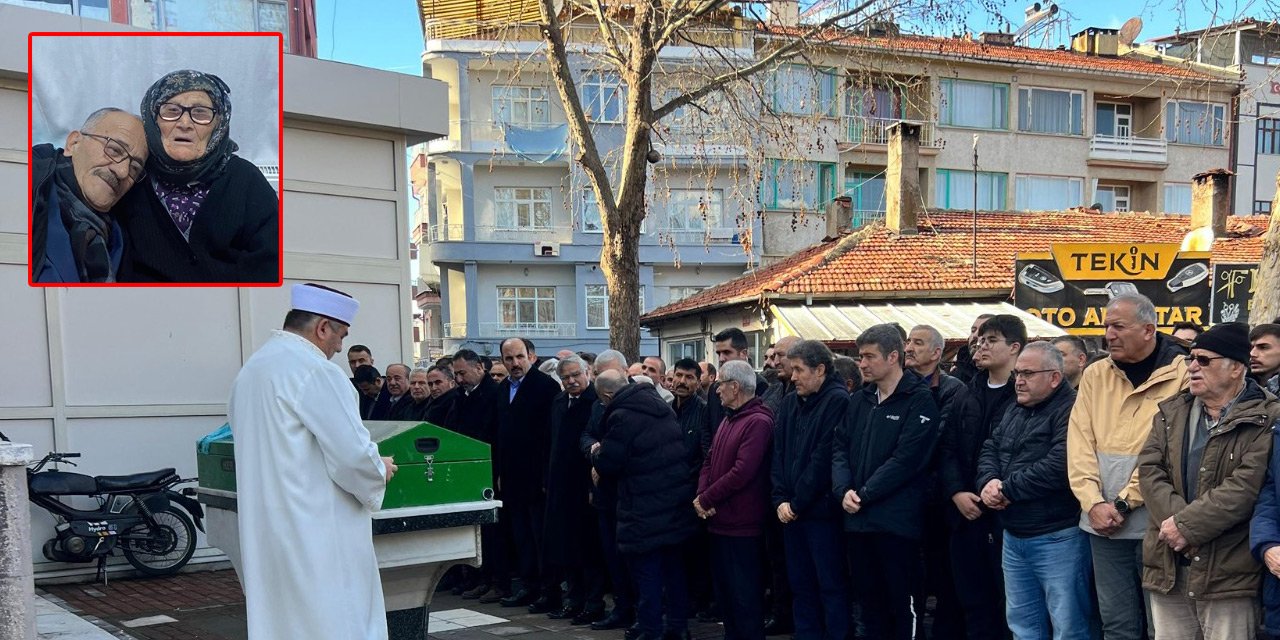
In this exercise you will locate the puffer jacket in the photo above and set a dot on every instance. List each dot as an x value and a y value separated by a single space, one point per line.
1027 452
1215 521
1109 425
1264 533
643 450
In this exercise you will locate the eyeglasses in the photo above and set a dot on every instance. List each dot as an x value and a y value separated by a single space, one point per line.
117 152
1028 374
1201 360
988 342
200 114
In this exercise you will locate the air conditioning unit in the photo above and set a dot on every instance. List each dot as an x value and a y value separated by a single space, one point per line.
546 249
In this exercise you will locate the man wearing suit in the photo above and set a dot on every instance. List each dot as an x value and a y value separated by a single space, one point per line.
472 416
523 420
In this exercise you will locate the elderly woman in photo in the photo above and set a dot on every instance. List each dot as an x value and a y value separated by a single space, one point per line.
204 214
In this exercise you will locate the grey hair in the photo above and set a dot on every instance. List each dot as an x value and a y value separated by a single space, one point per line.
785 345
424 372
610 356
1142 306
739 371
568 361
1052 357
97 116
399 364
936 341
812 353
887 337
549 365
610 381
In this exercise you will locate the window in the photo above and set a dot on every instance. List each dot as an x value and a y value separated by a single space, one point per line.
1113 119
866 190
695 349
522 208
1047 193
1268 136
1194 122
790 184
604 97
1112 197
1177 198
981 105
521 105
676 294
526 306
875 102
693 210
955 190
598 305
803 90
1262 206
1051 111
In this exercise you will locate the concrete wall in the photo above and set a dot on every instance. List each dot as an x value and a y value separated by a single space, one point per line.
132 377
1255 173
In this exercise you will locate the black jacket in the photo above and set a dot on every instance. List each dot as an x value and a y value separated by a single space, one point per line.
472 414
1028 453
44 161
692 417
881 451
643 449
438 410
715 412
604 495
524 435
969 425
235 236
802 435
568 481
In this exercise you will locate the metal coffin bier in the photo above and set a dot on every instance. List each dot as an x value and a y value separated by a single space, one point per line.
430 517
1071 285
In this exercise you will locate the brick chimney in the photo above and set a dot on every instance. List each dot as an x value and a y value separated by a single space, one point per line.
902 178
1211 201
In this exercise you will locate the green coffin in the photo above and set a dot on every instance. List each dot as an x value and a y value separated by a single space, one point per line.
436 466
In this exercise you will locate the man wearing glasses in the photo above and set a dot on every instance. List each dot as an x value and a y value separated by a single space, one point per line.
74 236
1116 402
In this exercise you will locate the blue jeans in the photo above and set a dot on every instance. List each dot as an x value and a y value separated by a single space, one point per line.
818 584
1046 582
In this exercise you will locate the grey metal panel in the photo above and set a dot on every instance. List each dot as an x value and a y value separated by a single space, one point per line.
846 321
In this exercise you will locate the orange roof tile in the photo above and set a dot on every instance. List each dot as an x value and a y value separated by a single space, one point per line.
874 260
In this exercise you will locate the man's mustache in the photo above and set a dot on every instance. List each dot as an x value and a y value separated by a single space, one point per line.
109 177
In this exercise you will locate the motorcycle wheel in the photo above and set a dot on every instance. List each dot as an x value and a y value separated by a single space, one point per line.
167 549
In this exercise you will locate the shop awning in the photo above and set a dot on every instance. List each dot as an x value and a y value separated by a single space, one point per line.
841 322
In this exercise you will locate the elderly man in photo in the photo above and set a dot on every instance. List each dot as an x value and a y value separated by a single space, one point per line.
74 235
302 451
1200 472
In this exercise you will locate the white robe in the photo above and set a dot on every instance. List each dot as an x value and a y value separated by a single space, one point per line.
308 480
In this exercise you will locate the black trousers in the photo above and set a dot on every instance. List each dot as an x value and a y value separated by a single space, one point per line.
979 577
735 562
624 598
775 567
697 568
948 619
494 568
885 571
527 518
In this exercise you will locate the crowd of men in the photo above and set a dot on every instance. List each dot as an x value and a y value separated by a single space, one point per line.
1032 487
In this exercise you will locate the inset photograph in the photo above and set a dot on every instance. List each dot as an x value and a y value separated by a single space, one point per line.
155 159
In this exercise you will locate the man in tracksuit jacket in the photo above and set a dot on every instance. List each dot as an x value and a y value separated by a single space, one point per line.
879 454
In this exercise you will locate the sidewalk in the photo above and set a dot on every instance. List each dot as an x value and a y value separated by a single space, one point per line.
56 623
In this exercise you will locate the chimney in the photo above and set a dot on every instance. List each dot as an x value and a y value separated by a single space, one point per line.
1095 41
902 179
1211 201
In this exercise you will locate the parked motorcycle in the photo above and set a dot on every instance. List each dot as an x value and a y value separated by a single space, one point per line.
140 514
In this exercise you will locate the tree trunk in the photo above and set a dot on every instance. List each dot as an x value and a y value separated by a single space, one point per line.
1266 297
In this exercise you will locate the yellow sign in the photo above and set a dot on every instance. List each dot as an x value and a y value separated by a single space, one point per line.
1089 321
1114 261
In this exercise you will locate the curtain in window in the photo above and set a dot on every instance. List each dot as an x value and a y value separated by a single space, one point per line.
975 104
1047 193
1194 123
1177 198
955 190
1049 111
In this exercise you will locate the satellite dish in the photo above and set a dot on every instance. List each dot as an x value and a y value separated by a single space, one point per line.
1129 31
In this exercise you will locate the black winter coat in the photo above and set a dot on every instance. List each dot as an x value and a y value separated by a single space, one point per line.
802 435
643 449
969 424
1027 452
438 410
472 414
568 480
524 436
692 416
881 451
235 236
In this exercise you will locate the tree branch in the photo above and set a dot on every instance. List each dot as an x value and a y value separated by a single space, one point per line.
673 27
606 31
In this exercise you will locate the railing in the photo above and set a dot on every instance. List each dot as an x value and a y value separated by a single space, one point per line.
486 136
1103 147
528 329
863 130
688 142
444 233
456 233
714 235
514 29
455 329
863 218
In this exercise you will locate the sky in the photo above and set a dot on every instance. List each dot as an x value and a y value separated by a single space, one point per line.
385 34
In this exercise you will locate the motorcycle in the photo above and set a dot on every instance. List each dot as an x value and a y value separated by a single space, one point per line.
140 514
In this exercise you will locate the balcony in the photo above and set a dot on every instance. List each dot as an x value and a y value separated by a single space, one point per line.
1129 149
528 329
861 131
519 235
682 142
715 235
537 142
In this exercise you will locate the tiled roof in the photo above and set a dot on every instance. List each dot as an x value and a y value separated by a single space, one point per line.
874 260
964 48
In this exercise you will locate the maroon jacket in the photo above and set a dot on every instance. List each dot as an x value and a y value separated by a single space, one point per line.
735 476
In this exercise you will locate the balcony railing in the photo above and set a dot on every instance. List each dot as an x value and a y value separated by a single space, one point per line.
864 218
537 140
860 130
715 235
456 233
528 329
1132 149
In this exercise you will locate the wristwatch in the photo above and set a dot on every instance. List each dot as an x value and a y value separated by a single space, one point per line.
1122 506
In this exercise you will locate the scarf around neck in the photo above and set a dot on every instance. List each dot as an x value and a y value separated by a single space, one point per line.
89 230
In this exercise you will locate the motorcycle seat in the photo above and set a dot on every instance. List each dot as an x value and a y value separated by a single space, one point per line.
54 483
108 484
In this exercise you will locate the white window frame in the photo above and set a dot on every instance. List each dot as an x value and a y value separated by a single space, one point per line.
1022 189
604 97
534 294
522 202
693 209
1176 185
1215 111
1075 119
537 104
1123 203
999 189
676 294
1116 116
676 350
999 103
598 294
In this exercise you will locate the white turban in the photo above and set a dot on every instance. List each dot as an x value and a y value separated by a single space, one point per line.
331 304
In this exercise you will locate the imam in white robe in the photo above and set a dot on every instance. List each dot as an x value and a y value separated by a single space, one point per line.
308 479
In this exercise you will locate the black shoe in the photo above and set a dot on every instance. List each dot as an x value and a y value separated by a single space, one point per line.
476 592
633 632
494 595
615 620
775 626
567 612
589 616
545 605
521 598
